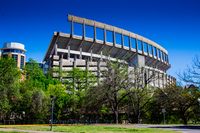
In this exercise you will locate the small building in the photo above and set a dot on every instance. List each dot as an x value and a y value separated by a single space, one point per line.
16 51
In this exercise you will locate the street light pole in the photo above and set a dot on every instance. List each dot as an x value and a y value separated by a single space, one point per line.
164 111
52 108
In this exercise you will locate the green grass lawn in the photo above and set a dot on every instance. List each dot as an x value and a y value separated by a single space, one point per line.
88 129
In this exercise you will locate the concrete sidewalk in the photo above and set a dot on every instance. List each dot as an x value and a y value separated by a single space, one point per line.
25 131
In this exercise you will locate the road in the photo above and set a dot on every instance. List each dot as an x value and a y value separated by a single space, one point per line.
180 128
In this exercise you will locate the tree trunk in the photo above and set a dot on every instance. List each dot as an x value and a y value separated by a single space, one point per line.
184 120
138 117
116 117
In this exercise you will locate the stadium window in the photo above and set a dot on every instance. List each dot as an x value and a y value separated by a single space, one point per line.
133 43
154 51
159 53
118 38
126 41
78 29
89 31
145 47
109 36
99 34
150 49
139 45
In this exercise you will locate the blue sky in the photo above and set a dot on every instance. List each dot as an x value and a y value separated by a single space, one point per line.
175 24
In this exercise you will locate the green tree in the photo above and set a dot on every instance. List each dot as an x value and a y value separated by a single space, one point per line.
113 88
9 92
181 101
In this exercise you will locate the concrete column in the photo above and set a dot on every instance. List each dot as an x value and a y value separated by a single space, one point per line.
83 30
101 55
72 28
95 34
147 76
136 45
61 65
98 71
104 35
80 57
68 56
114 38
155 78
142 47
163 80
130 43
91 55
152 50
61 61
166 81
75 57
87 64
147 49
157 53
122 40
159 85
55 48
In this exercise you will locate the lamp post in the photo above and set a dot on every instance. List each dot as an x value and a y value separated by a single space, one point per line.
52 108
164 111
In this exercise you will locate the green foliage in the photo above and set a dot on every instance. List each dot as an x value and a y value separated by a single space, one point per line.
9 80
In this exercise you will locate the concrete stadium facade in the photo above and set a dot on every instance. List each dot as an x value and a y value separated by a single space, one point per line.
71 50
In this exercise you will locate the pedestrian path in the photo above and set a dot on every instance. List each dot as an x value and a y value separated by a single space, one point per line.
25 131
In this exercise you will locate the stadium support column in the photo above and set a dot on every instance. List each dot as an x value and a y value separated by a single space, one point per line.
152 51
122 40
157 52
55 48
61 65
147 49
163 80
114 38
72 28
95 33
142 47
129 43
98 71
104 35
80 53
136 45
159 84
68 54
91 55
83 38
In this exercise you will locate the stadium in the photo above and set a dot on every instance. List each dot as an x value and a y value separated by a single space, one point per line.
97 42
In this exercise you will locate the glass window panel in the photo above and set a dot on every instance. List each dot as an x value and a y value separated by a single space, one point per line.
150 49
118 38
133 43
154 51
89 31
22 62
109 36
139 44
99 34
126 41
145 47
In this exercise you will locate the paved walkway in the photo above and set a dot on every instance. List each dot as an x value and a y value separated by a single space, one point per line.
180 128
26 131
